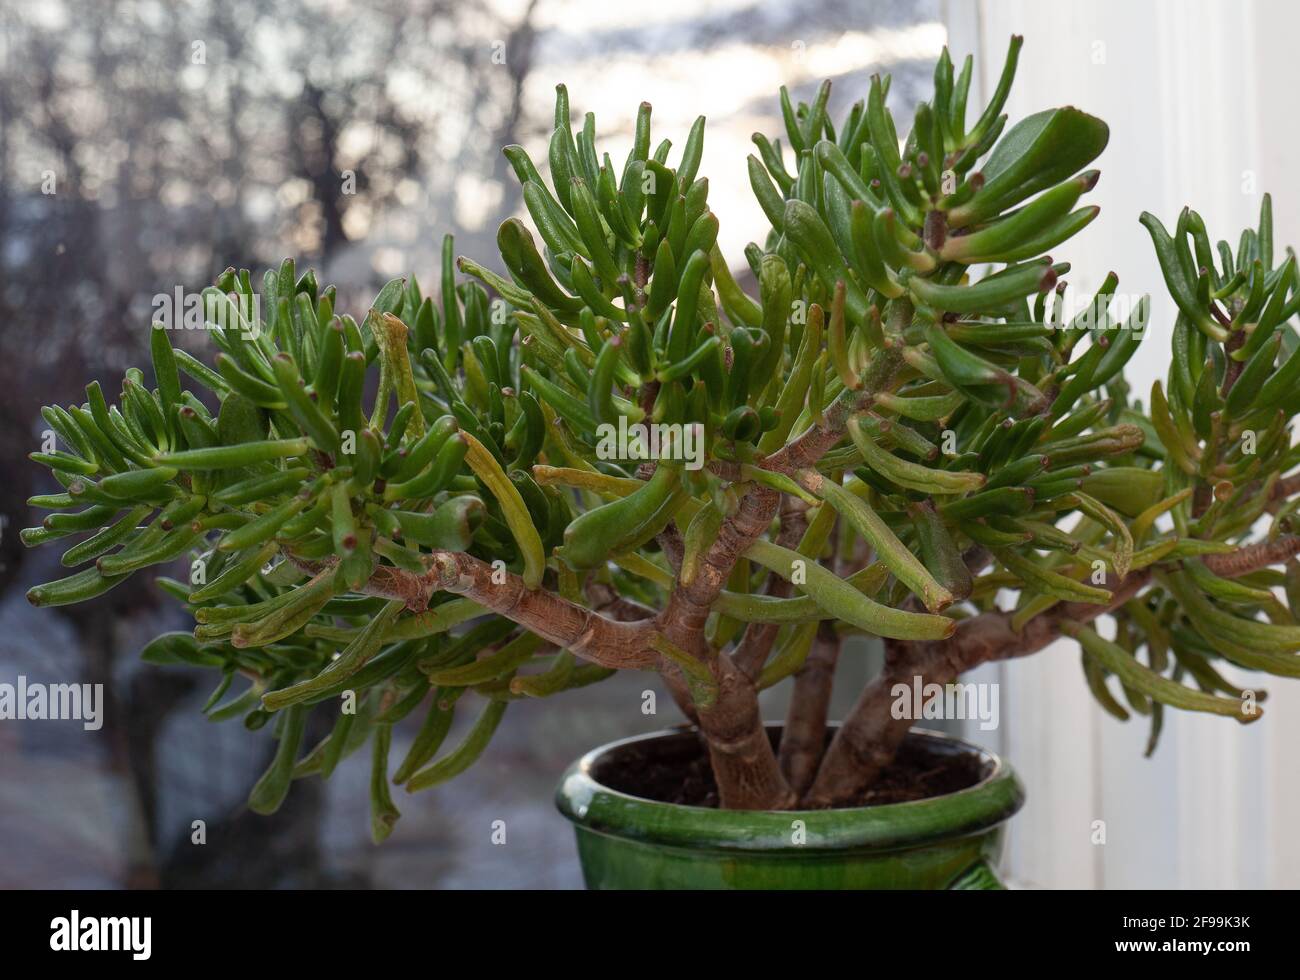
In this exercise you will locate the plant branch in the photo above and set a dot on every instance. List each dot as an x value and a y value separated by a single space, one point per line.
584 632
609 642
870 736
804 737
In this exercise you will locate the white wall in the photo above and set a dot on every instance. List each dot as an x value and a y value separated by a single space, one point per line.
1191 91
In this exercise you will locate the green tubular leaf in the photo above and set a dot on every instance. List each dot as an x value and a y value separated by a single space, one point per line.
777 481
353 657
789 656
228 457
260 392
1224 589
65 462
1155 686
1037 152
383 814
1000 92
525 263
893 242
601 483
527 538
391 335
262 528
451 526
1122 557
709 347
342 522
1003 240
83 421
432 733
1129 489
463 755
171 545
939 552
164 369
599 394
304 410
512 655
593 536
106 539
837 343
843 601
1245 390
197 370
989 294
1044 580
550 681
795 392
235 574
739 307
1248 633
769 198
776 294
1146 520
834 162
806 230
700 534
1270 316
508 291
426 448
914 476
329 363
1182 452
1181 286
1124 345
137 484
270 791
866 253
889 549
83 585
1095 674
1280 384
569 407
681 334
437 476
922 408
592 232
261 487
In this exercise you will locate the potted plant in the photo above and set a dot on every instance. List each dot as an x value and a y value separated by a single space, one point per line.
619 459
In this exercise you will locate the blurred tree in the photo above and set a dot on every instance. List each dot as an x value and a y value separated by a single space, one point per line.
146 146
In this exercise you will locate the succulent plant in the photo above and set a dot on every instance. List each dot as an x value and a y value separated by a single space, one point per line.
616 458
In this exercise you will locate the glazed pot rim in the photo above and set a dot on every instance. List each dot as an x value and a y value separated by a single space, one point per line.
595 807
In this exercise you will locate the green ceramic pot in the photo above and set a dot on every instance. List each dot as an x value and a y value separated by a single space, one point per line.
951 841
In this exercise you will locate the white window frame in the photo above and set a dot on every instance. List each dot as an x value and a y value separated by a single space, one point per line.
1186 88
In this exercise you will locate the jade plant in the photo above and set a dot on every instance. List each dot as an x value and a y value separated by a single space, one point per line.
616 458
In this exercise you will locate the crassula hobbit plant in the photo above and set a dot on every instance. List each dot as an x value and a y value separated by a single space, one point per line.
618 459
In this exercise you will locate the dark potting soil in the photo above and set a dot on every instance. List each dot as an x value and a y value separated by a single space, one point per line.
676 770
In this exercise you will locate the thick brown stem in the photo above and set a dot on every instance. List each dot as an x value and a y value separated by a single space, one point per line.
871 735
804 737
623 645
756 645
740 753
1254 556
743 762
